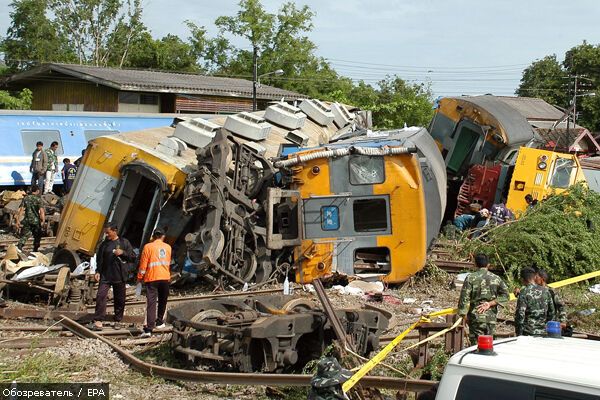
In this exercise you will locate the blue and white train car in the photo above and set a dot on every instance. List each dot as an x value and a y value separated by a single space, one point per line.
20 130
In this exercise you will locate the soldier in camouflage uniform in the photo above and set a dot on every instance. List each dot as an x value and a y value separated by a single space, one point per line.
33 219
481 294
560 310
534 306
327 382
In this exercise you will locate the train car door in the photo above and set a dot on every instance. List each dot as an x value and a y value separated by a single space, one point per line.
137 203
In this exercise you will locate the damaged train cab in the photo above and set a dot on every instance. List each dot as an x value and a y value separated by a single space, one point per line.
497 148
248 197
370 206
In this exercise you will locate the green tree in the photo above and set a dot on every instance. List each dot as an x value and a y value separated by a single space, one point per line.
281 43
393 104
583 61
546 80
98 28
20 101
553 82
32 38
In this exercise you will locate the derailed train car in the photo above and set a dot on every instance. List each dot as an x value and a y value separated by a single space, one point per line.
481 138
369 206
239 210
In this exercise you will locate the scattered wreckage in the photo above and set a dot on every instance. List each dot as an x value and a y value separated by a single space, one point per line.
32 277
265 333
249 197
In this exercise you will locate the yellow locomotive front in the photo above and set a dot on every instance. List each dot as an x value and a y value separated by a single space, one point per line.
364 210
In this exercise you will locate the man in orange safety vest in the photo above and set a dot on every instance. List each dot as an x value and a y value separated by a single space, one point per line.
154 273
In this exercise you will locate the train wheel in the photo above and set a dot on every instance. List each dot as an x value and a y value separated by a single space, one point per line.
299 305
66 256
248 268
206 315
263 271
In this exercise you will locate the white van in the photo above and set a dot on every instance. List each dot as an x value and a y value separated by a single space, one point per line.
524 368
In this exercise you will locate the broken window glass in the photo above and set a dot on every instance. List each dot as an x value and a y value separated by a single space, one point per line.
366 170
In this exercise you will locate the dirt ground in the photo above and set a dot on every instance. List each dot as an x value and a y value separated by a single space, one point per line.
80 360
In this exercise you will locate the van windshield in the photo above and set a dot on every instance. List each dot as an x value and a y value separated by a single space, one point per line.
476 387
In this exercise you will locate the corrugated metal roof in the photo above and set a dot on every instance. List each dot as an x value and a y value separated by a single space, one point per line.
157 81
532 108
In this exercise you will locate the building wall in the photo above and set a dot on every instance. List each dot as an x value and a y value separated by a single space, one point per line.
93 98
214 105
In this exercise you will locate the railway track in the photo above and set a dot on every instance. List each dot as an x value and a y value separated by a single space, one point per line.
235 378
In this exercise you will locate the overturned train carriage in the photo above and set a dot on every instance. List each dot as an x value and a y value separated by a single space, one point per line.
251 196
368 206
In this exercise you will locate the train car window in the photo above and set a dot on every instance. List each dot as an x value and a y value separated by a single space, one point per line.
370 215
93 134
563 169
330 218
366 170
31 136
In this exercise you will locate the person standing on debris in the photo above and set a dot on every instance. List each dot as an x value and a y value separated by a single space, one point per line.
113 258
327 382
154 267
39 165
481 294
68 174
52 168
534 306
35 216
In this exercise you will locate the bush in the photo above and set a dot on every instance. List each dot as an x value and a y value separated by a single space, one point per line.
558 235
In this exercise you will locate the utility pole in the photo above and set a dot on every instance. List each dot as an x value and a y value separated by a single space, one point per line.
254 75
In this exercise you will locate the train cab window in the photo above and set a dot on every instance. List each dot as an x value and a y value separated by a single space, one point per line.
330 218
366 170
561 176
93 134
31 136
370 215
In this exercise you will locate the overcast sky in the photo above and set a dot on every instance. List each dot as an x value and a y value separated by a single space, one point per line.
460 46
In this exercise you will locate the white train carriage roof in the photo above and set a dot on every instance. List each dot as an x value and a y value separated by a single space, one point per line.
316 135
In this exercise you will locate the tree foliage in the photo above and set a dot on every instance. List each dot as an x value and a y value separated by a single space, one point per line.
111 33
554 82
32 38
20 101
561 234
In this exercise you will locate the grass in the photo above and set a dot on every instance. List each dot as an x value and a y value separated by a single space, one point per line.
578 298
42 367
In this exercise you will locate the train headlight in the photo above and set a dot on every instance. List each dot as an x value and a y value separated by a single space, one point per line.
542 165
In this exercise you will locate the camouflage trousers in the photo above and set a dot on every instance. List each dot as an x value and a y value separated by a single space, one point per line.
29 229
480 328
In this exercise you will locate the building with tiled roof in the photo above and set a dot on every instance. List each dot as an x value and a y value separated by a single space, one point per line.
73 87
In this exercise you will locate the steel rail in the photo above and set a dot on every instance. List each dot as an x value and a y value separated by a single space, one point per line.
237 378
185 299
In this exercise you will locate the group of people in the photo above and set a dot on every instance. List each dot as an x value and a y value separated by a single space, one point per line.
44 167
114 258
483 292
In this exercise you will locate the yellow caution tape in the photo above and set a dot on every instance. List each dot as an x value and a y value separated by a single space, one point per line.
379 357
369 365
437 334
565 282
